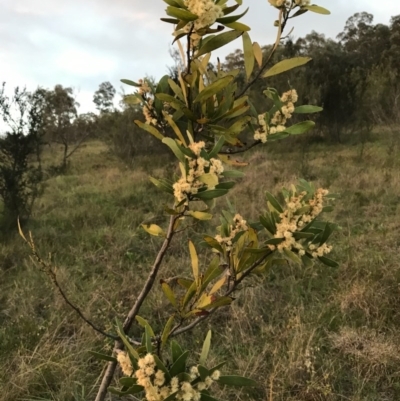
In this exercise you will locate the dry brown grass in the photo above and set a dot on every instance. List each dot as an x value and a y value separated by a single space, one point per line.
316 334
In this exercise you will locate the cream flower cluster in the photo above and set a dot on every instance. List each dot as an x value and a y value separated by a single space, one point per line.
239 224
198 166
293 220
279 119
148 109
289 3
144 87
206 10
153 381
125 363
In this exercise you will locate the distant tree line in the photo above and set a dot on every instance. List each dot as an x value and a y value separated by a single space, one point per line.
356 78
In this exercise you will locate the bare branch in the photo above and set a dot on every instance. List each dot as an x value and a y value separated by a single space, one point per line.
49 270
109 374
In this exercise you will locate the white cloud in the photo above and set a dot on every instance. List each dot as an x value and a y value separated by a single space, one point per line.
83 43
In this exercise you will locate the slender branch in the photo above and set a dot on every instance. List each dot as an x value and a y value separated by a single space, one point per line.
49 270
109 373
231 151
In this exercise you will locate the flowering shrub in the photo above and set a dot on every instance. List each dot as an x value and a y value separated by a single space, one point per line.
209 117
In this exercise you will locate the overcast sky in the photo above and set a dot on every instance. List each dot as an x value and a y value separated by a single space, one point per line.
81 43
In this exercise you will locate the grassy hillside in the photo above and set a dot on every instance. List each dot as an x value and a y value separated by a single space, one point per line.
304 334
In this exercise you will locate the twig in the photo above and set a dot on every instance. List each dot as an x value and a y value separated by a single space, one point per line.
109 373
231 151
48 269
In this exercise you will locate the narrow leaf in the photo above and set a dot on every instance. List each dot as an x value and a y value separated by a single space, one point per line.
257 53
218 41
167 329
154 229
300 128
195 261
150 129
307 109
248 54
102 357
317 9
205 349
214 88
169 293
286 65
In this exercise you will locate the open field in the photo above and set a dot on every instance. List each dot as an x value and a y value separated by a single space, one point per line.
304 334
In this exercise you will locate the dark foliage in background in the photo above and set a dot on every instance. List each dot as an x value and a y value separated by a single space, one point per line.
20 167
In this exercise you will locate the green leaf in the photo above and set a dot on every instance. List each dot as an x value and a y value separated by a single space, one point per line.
217 147
329 229
127 381
214 193
161 366
207 397
144 323
102 357
167 329
195 261
292 256
218 41
150 129
176 351
233 174
162 184
132 390
176 89
189 294
172 3
121 334
203 371
154 229
317 9
214 88
248 54
148 335
307 109
257 53
272 200
268 224
238 26
200 215
179 366
225 185
232 18
205 349
274 241
213 243
237 381
328 262
175 148
181 14
131 83
133 99
286 65
173 125
300 128
169 293
229 10
222 301
174 21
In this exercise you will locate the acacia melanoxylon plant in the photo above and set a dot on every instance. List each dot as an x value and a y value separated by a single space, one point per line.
210 117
